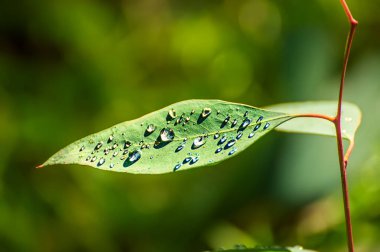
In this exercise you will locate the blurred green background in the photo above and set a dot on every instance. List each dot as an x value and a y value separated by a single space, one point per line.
71 68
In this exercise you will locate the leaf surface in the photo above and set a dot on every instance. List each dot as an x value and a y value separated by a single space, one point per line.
351 118
181 136
267 249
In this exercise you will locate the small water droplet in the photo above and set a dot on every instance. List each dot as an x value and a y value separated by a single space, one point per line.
251 134
125 152
122 157
266 126
81 148
134 156
111 165
115 153
223 139
206 112
179 148
239 135
101 161
110 139
230 143
151 157
106 151
194 160
114 146
218 112
150 128
257 127
232 151
245 123
176 167
88 158
259 119
234 123
185 139
246 113
186 160
172 114
127 144
93 159
216 136
227 119
167 135
192 112
218 150
187 119
98 146
199 141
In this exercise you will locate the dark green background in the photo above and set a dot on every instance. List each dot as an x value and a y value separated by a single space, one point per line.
71 68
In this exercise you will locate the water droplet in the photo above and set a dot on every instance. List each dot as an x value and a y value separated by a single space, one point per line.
257 127
134 156
187 119
98 146
239 135
251 134
230 143
192 112
259 119
232 151
88 158
206 112
194 160
101 161
127 144
122 157
178 121
218 150
167 135
150 128
199 141
110 139
226 119
186 160
111 165
266 126
179 148
114 146
246 113
151 157
125 152
115 153
234 123
176 167
93 159
106 151
172 114
185 139
216 136
223 139
245 123
81 148
218 112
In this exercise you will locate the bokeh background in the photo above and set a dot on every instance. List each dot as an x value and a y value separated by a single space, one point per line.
71 68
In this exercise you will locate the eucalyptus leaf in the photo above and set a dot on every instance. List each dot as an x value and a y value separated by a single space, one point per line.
181 136
351 118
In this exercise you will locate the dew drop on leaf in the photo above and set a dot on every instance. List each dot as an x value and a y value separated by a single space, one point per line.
239 135
134 156
206 112
98 146
198 142
266 126
234 123
194 160
93 159
179 148
101 161
111 165
186 160
257 127
176 167
251 134
172 114
167 135
216 136
150 128
259 119
230 143
127 144
81 148
245 124
232 151
223 139
218 150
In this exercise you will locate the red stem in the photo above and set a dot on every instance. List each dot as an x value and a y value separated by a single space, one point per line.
337 121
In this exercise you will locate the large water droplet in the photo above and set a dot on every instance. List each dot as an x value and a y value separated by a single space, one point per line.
206 112
245 124
230 143
167 135
223 139
239 135
127 144
232 151
266 126
186 160
150 128
81 148
218 150
101 161
172 114
134 156
176 167
198 142
98 146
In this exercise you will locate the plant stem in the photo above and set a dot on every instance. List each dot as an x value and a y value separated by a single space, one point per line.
337 121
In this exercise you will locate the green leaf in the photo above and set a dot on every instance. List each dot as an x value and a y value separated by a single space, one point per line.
266 249
204 132
351 118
